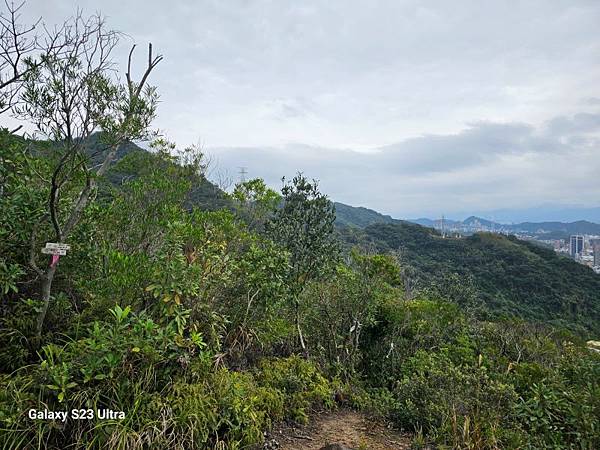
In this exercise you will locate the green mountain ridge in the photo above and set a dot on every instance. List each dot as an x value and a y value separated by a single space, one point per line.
508 276
361 217
210 196
130 160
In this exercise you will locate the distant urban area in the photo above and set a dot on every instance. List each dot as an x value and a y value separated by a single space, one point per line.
577 240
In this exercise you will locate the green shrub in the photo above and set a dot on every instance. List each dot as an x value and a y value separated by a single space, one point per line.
454 404
165 405
301 383
562 410
227 407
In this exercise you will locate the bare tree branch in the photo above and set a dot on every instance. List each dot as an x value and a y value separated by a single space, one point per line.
70 95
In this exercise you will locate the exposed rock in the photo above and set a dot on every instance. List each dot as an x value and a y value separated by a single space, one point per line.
271 444
335 447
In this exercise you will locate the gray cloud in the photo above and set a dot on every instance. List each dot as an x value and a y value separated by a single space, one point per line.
486 166
356 73
440 105
579 123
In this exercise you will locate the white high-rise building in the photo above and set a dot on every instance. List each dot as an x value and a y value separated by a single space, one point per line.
576 246
596 249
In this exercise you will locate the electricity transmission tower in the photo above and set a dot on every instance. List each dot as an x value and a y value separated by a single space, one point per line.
243 172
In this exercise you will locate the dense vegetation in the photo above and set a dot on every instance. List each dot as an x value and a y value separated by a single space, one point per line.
503 276
205 318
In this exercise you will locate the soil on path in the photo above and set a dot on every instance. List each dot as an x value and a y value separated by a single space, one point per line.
349 428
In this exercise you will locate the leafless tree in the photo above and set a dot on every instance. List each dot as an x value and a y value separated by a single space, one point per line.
18 44
222 179
22 50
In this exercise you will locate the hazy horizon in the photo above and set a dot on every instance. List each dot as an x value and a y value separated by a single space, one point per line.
542 213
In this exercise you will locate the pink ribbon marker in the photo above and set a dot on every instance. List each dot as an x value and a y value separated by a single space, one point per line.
54 260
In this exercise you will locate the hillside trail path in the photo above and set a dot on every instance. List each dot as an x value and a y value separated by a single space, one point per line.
349 428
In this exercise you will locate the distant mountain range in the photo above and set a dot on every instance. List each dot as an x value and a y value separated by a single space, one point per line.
540 230
362 217
541 213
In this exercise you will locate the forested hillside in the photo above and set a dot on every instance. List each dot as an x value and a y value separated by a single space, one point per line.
352 216
506 276
130 162
141 308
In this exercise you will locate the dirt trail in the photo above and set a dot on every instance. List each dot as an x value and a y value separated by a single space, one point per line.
349 428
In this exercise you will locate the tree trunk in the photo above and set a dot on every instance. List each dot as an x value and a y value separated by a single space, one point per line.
46 290
72 221
299 328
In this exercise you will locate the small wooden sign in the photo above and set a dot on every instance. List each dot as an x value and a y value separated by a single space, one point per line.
60 246
54 251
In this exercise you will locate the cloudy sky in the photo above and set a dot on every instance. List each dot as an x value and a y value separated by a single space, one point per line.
412 108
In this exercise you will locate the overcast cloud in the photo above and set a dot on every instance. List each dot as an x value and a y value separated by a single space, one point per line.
408 107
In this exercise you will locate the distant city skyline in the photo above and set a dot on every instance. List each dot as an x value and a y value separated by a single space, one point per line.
411 109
